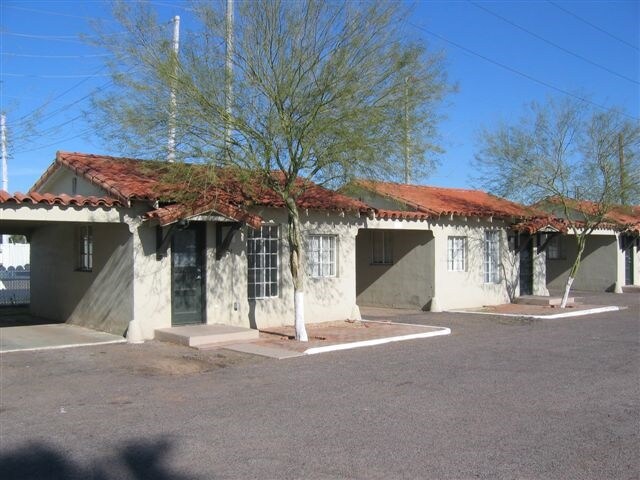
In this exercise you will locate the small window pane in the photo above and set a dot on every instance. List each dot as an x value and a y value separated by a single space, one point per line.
321 255
262 262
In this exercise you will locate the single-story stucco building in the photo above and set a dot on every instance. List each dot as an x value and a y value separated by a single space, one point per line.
115 240
443 248
110 246
611 258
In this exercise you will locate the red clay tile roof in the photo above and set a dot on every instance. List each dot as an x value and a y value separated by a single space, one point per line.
64 200
130 179
619 217
437 201
536 224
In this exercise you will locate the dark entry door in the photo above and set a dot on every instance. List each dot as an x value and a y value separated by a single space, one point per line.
526 265
187 275
628 266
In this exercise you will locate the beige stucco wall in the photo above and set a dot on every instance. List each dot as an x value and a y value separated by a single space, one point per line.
226 279
601 267
100 299
61 181
325 298
429 276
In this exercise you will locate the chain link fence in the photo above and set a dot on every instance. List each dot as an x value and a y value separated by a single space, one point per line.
15 286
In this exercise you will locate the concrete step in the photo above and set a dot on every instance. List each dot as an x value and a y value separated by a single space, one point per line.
542 300
631 289
199 335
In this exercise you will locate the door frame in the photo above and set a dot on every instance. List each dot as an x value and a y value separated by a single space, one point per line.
526 243
201 247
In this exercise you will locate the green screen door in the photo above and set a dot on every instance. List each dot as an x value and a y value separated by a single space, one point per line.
187 275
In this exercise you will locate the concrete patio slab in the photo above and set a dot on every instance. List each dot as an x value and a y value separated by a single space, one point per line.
52 336
206 335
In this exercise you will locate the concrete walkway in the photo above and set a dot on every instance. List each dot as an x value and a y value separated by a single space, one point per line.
52 336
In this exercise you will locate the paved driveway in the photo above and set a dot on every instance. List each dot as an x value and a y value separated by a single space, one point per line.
499 398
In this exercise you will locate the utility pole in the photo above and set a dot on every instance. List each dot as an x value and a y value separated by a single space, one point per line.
5 172
623 179
3 141
407 158
228 98
171 144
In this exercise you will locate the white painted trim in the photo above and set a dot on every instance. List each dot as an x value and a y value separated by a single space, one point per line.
575 313
377 341
56 347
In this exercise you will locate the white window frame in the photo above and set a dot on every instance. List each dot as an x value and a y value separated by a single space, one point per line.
457 253
491 256
383 255
85 248
263 271
322 255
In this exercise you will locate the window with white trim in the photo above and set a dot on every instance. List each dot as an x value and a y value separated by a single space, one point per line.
491 256
321 255
381 247
457 254
262 259
85 248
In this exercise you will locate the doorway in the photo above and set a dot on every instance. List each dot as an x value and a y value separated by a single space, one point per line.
187 275
628 266
526 265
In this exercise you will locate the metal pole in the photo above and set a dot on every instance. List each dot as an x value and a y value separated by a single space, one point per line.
5 172
623 179
171 144
228 79
407 158
3 140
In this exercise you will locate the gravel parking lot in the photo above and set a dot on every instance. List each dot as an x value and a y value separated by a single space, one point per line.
498 398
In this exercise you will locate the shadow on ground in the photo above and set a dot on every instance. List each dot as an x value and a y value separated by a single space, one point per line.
135 460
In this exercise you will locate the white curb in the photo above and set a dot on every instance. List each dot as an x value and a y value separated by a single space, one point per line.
377 341
575 313
56 347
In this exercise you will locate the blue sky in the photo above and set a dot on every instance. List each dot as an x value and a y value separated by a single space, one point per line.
502 55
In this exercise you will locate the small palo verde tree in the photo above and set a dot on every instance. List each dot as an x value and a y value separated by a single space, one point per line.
317 91
572 160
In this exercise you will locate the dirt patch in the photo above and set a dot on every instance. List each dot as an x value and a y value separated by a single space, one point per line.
190 363
335 332
516 321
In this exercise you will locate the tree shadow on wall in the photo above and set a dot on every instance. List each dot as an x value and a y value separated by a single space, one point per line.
136 460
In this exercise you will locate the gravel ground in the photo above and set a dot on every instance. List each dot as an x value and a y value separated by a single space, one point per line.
499 398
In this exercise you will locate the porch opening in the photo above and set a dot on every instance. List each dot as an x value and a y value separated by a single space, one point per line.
395 268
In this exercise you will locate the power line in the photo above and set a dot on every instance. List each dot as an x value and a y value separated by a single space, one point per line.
57 142
593 25
27 55
47 12
72 88
30 75
517 72
553 44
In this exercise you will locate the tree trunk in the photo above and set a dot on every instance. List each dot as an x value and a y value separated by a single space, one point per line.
295 265
582 240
